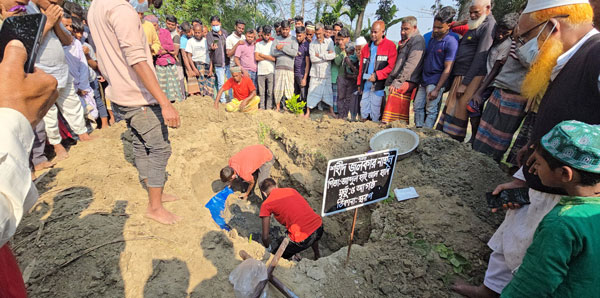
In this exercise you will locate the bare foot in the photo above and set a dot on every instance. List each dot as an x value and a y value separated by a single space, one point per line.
333 115
86 137
168 198
44 165
104 121
296 258
162 216
61 153
471 291
111 121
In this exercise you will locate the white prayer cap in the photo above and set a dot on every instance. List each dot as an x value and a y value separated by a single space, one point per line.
537 5
361 41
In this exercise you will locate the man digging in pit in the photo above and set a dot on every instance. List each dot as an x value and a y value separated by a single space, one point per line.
304 226
252 165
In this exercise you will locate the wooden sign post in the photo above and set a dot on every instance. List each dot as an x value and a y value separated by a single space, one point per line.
356 181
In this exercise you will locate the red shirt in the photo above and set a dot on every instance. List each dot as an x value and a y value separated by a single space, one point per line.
242 90
292 211
249 159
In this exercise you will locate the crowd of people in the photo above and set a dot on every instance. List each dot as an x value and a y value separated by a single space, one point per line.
535 72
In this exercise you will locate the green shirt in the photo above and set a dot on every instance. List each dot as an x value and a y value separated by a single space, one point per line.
564 257
335 66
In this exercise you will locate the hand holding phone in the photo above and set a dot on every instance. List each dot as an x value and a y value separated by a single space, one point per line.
28 29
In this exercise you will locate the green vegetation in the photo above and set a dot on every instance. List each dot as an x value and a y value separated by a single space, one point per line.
295 106
459 263
263 131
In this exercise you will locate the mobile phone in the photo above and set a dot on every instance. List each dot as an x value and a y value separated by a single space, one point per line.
215 41
493 201
516 196
28 29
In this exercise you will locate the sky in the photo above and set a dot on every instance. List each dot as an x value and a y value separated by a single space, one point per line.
421 9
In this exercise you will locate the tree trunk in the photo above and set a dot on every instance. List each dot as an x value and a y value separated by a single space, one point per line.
302 11
359 23
318 15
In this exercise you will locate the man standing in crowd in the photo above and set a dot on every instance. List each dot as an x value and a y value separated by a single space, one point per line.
125 60
301 64
244 55
285 50
298 22
565 73
266 69
497 57
216 40
342 38
406 74
51 59
469 69
25 99
322 52
277 27
506 108
252 165
171 23
198 64
304 226
377 62
437 66
186 33
337 27
310 31
234 40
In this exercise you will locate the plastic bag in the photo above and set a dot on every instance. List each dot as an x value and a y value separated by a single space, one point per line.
246 276
216 205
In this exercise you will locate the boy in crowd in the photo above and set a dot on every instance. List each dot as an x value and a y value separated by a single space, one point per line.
198 64
304 226
347 81
252 165
437 65
244 93
321 54
301 64
263 53
285 50
244 56
78 69
90 56
563 257
329 32
216 40
341 38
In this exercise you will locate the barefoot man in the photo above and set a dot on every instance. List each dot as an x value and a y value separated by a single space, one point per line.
252 164
125 61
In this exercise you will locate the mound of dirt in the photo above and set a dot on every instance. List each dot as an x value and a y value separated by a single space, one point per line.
87 236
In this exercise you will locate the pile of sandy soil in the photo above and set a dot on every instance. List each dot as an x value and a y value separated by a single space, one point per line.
87 236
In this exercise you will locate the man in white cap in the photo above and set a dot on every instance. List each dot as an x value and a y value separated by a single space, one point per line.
564 80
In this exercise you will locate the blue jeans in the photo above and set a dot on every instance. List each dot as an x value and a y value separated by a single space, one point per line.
426 112
253 78
100 105
221 78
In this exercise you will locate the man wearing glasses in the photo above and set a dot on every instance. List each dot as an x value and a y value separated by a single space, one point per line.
564 80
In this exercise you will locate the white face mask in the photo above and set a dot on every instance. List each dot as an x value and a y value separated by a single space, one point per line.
528 52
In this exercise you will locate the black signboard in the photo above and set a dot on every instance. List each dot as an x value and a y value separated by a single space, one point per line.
356 181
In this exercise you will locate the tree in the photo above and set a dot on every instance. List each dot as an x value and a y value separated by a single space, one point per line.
386 12
500 7
329 18
360 6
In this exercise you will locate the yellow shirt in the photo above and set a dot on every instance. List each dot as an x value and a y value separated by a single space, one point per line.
152 36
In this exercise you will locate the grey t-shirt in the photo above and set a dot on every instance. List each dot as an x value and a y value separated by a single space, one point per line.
511 76
285 56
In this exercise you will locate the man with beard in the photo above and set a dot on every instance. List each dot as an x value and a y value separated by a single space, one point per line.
565 74
469 69
406 74
285 50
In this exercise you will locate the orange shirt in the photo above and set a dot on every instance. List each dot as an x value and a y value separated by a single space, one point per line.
249 159
292 211
242 90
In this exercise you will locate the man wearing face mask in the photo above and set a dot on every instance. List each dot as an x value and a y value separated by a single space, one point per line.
469 69
217 39
565 76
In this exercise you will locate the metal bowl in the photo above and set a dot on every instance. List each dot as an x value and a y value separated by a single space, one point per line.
405 140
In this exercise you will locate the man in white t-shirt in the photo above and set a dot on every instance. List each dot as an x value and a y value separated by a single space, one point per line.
199 64
233 40
263 53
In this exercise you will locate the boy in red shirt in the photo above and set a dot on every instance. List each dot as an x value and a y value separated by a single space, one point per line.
252 164
304 226
244 92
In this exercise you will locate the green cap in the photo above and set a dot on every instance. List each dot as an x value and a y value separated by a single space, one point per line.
576 144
